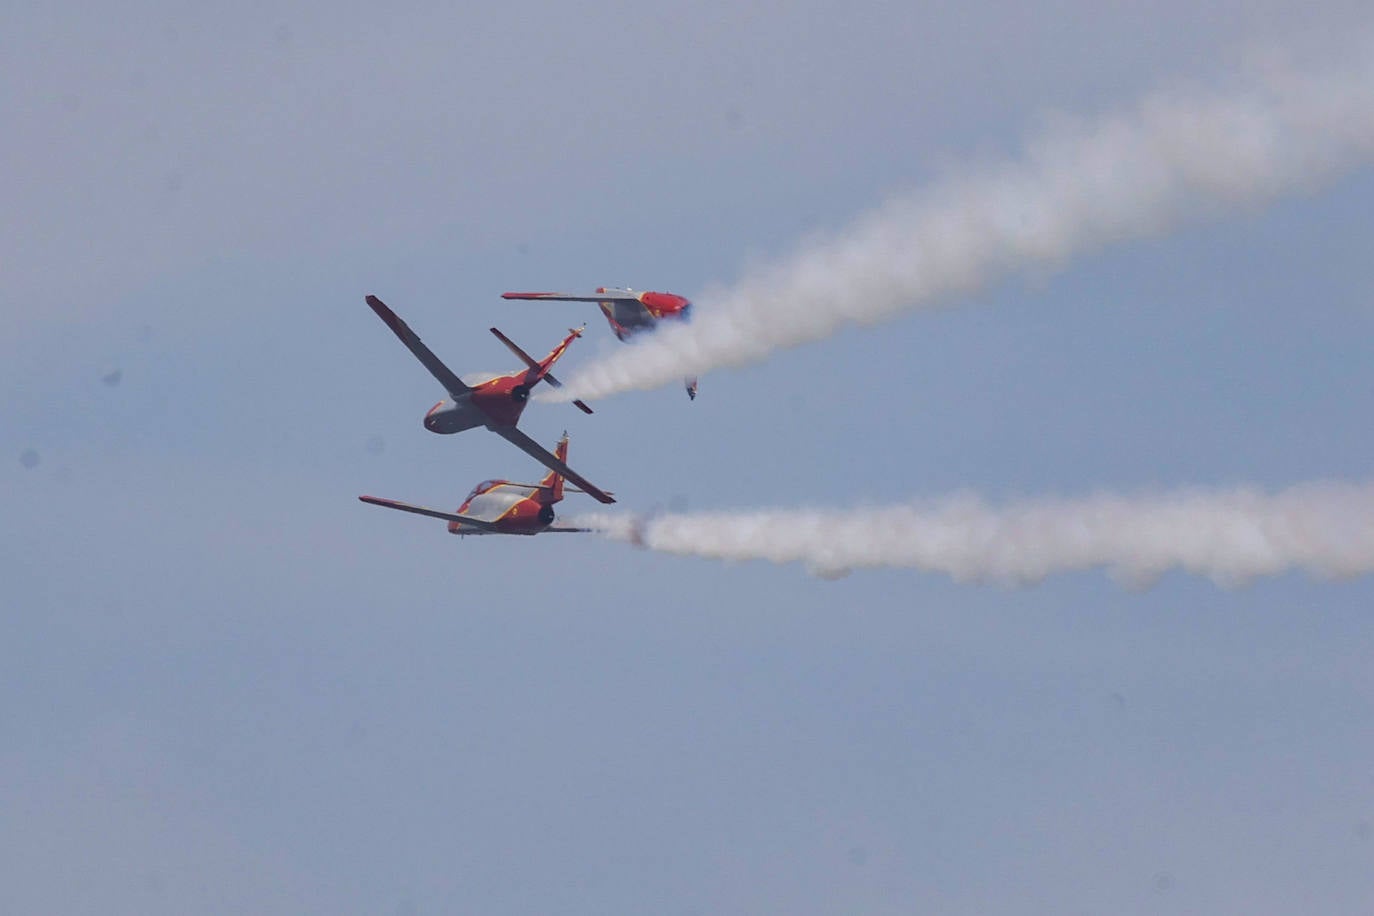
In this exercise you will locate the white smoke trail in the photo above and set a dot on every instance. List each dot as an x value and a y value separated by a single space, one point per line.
1231 536
1076 189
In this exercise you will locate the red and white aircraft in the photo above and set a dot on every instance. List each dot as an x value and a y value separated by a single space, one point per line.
629 311
501 507
493 401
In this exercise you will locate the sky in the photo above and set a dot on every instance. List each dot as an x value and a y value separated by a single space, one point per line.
230 687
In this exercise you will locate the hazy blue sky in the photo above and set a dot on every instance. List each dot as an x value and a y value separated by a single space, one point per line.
226 686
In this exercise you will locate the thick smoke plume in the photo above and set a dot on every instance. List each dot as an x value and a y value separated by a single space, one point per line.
1079 187
1230 536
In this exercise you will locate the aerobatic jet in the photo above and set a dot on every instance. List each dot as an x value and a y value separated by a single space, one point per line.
501 507
629 311
493 401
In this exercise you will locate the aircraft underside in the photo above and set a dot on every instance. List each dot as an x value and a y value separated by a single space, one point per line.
630 316
455 418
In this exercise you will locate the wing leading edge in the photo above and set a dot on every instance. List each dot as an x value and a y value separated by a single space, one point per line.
452 384
550 461
432 513
466 520
573 297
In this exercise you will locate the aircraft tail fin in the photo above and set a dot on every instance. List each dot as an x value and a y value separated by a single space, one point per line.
557 352
552 483
539 371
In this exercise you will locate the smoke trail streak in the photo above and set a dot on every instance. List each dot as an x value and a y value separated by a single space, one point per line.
1231 536
1076 189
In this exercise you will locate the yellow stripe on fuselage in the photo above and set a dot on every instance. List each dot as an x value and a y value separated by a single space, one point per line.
513 506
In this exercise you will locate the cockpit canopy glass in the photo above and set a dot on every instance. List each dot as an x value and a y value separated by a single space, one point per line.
484 486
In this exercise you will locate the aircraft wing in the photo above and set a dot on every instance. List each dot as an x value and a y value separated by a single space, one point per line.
566 530
549 460
452 384
432 513
573 297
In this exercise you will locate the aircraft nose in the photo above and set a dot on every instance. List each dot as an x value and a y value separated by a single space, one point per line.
432 417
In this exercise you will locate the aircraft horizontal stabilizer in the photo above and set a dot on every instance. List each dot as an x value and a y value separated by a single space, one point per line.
511 345
577 402
535 367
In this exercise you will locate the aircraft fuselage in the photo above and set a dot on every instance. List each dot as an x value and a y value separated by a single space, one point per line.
495 402
517 509
628 317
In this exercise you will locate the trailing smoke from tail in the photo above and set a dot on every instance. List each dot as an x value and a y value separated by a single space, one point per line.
1076 189
1230 536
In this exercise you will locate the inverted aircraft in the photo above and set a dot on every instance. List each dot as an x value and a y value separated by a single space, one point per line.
493 401
629 311
501 507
